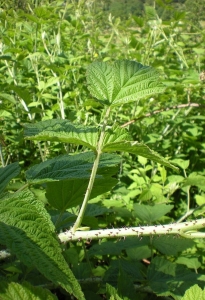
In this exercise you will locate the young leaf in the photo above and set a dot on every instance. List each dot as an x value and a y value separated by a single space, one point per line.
122 82
138 149
7 173
28 232
112 292
14 290
150 214
59 130
71 167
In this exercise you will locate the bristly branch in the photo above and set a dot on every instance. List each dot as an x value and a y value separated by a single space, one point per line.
185 229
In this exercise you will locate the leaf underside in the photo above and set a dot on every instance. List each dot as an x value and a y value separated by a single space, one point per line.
138 149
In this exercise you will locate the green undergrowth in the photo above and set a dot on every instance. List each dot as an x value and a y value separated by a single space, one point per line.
101 126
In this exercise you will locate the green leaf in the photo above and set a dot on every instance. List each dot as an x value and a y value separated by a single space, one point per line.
169 247
197 180
27 231
115 135
14 290
194 293
133 269
181 163
125 286
122 82
111 291
164 276
192 262
72 167
150 12
138 149
22 92
70 193
8 97
138 253
150 214
7 173
59 130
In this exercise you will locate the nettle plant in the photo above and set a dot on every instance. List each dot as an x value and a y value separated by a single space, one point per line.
37 235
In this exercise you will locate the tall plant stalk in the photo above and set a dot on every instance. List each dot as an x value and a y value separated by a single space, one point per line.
93 174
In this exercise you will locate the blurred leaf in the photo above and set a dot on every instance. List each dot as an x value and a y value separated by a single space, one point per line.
150 214
170 246
197 180
14 290
191 261
7 173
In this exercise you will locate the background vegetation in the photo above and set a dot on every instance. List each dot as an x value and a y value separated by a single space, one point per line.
45 49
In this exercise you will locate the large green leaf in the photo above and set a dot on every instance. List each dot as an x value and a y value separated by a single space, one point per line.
69 193
138 149
7 173
14 290
28 232
72 167
122 82
150 214
59 130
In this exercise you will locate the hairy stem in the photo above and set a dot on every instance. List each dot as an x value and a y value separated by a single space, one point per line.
92 176
185 229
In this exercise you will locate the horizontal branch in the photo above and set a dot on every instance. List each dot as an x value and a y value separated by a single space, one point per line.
185 229
163 110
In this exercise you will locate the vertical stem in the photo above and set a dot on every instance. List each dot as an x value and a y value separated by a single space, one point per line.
93 174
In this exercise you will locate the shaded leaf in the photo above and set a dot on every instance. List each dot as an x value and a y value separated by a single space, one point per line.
72 167
169 246
7 173
164 276
69 193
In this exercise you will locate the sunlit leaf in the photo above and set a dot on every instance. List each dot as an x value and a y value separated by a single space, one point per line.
122 82
59 130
